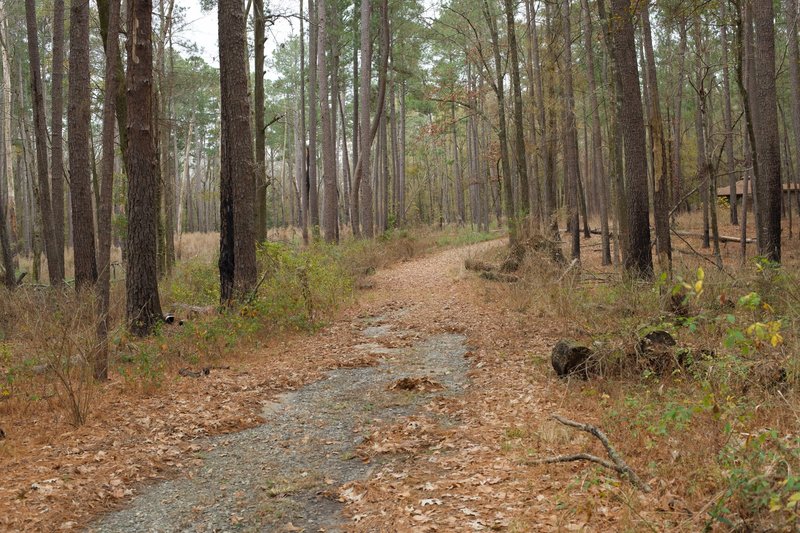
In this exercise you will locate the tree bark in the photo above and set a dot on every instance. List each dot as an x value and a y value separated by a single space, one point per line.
638 260
141 282
78 127
572 171
768 180
237 262
57 127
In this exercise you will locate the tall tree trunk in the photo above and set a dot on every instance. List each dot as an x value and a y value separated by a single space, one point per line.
499 88
730 163
78 127
362 192
572 172
703 175
54 265
313 45
363 189
596 160
57 127
519 124
638 259
768 180
259 29
794 77
237 262
141 281
330 206
122 98
660 167
106 195
677 125
302 156
460 207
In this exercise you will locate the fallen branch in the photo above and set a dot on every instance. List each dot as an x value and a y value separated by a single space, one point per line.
616 464
572 265
722 238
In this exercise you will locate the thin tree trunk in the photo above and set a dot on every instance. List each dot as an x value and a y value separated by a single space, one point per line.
302 148
727 116
519 124
659 156
330 205
106 195
596 160
259 38
313 45
499 89
572 172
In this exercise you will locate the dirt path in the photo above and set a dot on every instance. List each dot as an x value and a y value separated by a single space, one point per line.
294 470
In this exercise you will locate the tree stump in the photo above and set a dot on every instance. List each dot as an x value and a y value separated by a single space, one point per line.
570 358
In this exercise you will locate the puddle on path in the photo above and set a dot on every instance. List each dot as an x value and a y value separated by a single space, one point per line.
288 469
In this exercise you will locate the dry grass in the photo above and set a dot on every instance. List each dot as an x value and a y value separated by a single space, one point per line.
718 435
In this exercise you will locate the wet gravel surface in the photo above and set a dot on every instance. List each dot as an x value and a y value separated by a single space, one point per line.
284 475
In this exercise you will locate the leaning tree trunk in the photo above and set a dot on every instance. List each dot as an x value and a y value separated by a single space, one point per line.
78 128
237 262
660 167
141 281
638 258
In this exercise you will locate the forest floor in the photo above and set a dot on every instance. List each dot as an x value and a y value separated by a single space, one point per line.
422 408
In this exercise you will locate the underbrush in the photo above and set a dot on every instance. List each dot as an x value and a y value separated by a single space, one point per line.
715 418
47 337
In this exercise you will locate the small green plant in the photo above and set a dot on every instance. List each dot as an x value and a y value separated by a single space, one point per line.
763 485
145 368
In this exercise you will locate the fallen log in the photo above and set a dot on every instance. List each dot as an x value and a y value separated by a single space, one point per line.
479 266
499 276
